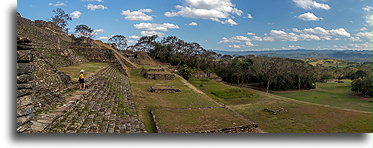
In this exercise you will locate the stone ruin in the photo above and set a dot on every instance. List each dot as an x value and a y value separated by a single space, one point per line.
206 75
157 74
275 110
163 89
25 68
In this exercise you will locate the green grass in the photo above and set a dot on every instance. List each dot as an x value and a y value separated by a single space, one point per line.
186 120
333 94
224 93
299 118
74 70
146 101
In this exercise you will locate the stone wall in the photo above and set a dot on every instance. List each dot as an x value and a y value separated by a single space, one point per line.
49 83
25 68
208 75
48 25
252 128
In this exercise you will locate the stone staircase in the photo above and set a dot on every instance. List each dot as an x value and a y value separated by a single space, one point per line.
105 107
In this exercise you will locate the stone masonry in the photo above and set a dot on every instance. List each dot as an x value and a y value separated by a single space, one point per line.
106 107
25 67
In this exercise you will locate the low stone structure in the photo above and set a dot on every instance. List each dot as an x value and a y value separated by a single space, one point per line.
163 89
152 69
157 74
252 128
25 68
206 75
275 110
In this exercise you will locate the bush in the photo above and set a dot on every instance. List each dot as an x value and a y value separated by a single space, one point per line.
362 86
185 72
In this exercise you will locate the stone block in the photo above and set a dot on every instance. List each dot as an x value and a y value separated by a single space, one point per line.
25 110
23 119
23 92
24 86
24 56
24 78
24 68
24 100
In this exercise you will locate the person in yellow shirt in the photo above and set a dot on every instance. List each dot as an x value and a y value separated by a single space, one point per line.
81 79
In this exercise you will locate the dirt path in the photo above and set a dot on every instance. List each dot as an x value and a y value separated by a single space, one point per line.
195 89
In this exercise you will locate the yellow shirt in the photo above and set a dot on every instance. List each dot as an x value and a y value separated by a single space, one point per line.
81 76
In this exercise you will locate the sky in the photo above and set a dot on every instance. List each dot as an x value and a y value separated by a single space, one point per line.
231 25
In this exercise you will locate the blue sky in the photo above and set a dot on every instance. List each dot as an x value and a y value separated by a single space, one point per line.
234 25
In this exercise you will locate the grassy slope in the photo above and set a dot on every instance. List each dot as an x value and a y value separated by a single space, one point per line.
299 118
74 70
181 119
333 94
186 120
145 101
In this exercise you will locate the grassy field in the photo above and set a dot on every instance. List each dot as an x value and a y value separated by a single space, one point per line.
333 94
332 63
74 70
300 117
185 120
146 101
225 94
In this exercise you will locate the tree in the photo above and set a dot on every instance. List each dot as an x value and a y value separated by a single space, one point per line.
61 19
119 41
267 70
146 43
185 72
84 31
362 86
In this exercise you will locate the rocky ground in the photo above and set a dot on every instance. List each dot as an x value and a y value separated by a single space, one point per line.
106 106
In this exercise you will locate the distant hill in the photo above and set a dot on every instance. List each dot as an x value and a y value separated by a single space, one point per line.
349 55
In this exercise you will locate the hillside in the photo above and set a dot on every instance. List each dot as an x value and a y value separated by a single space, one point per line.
349 55
51 50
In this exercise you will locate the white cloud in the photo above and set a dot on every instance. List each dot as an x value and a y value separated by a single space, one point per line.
291 47
249 16
193 24
92 0
234 46
134 37
307 34
156 27
103 38
229 22
137 15
250 33
75 14
256 38
94 7
207 9
99 30
151 33
56 4
237 39
310 4
368 8
367 35
309 17
361 46
355 39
